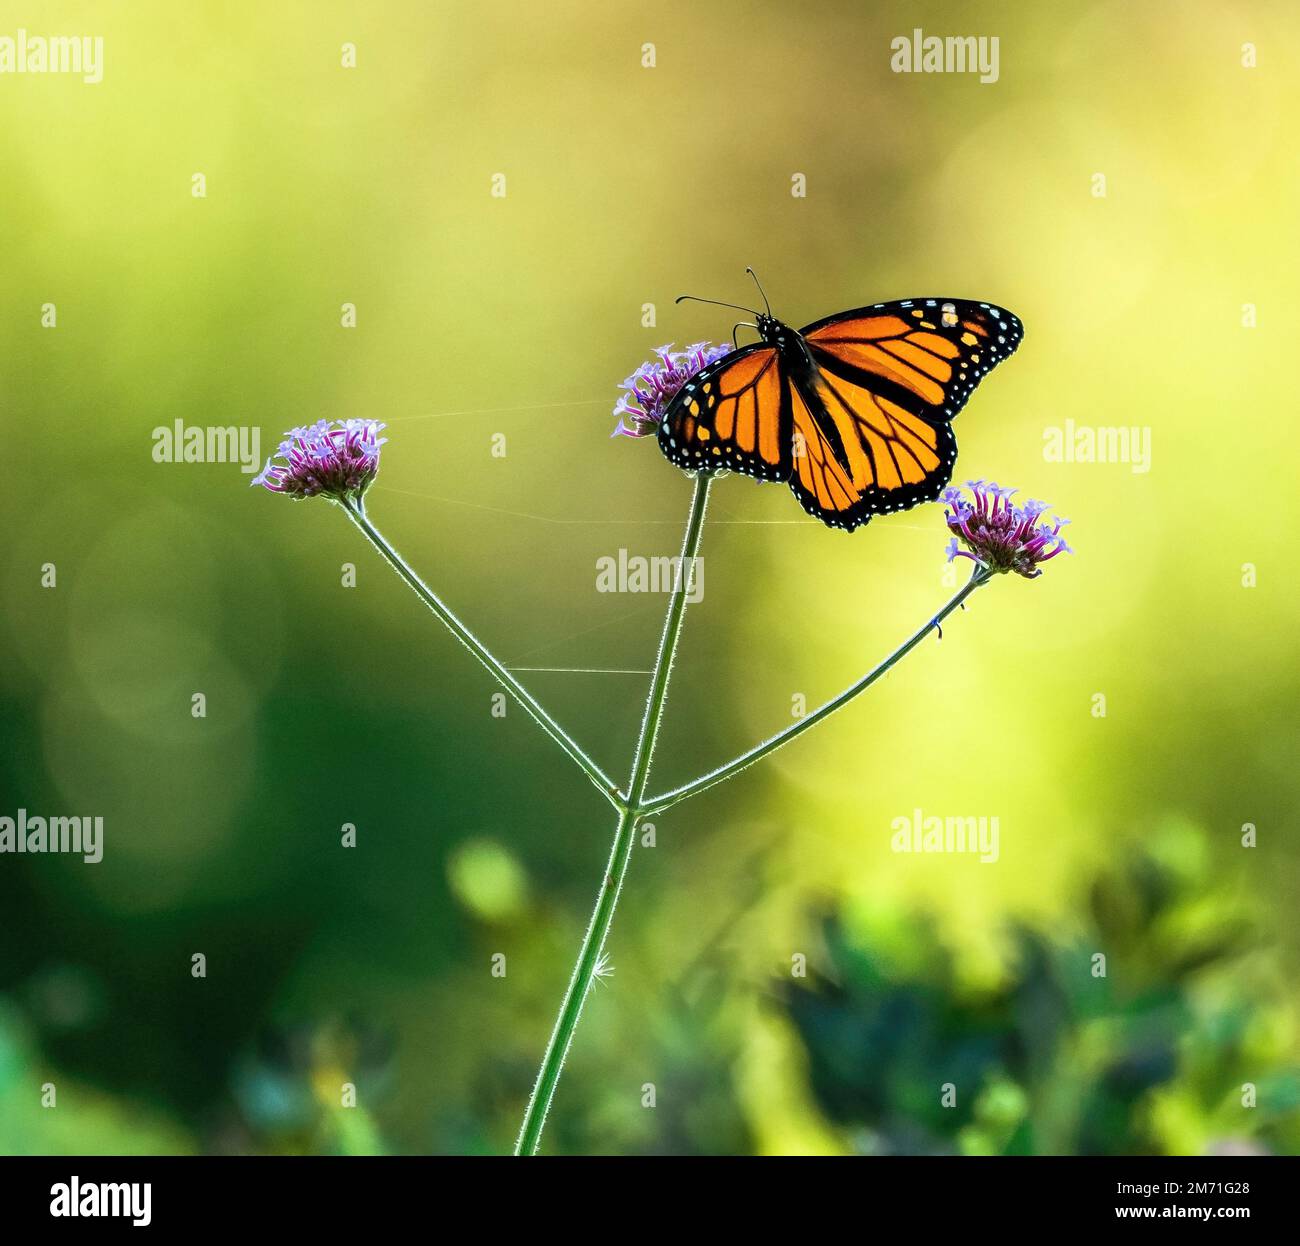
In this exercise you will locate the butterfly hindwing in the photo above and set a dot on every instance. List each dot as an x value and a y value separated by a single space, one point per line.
731 416
858 454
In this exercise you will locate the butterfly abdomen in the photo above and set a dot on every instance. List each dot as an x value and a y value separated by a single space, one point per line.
805 379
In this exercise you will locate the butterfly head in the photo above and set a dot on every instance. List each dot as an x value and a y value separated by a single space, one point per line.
773 332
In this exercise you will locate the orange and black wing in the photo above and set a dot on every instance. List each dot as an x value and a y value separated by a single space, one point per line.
856 454
732 416
870 429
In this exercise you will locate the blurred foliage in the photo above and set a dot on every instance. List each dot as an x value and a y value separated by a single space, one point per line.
1148 1053
44 1113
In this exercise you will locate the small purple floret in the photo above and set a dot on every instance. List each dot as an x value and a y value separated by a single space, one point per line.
337 459
998 534
655 384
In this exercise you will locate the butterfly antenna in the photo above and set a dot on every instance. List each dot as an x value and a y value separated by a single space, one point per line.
758 283
696 299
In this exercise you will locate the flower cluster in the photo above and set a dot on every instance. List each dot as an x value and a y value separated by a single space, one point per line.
655 384
338 459
1002 536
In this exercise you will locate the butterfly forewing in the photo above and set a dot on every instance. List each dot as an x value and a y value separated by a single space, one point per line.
730 416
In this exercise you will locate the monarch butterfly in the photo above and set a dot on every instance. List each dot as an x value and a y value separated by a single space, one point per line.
853 412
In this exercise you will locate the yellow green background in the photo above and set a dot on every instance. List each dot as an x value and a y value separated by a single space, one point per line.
479 316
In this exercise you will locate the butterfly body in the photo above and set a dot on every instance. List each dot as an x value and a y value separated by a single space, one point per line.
853 412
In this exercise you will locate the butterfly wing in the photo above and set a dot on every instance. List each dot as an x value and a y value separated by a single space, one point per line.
870 425
923 353
857 454
732 415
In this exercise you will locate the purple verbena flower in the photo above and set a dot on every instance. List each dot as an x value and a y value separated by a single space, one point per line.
655 384
336 458
998 534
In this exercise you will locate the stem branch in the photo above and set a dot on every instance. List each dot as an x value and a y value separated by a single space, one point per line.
357 513
657 804
634 805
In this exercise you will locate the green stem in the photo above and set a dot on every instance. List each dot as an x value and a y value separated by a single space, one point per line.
593 942
356 511
654 708
657 804
634 805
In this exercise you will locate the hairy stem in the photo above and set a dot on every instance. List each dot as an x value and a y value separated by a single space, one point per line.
657 804
593 942
357 513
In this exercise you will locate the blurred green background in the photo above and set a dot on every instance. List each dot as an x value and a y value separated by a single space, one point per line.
518 315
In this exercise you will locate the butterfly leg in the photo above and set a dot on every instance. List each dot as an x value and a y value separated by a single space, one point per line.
743 324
